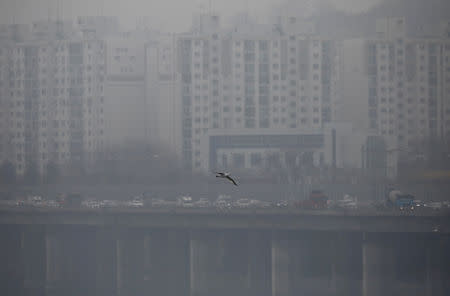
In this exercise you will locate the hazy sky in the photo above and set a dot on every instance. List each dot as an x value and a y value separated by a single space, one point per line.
172 15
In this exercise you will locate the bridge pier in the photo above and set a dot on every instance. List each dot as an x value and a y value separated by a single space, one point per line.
410 264
11 266
259 263
54 262
33 261
346 263
219 263
302 264
70 260
154 261
437 265
379 264
200 249
178 265
129 262
105 261
282 260
156 266
69 257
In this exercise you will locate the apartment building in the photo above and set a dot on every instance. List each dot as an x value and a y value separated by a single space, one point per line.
405 84
253 77
163 94
53 88
397 87
125 89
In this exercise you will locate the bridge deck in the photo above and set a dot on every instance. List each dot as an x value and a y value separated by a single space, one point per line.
268 219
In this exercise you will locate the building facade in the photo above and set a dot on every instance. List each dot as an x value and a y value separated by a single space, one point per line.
402 82
253 77
125 89
163 94
408 85
53 91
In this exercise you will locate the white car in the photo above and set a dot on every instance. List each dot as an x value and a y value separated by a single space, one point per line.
223 204
185 201
435 205
135 204
108 203
243 203
92 204
348 203
157 202
202 203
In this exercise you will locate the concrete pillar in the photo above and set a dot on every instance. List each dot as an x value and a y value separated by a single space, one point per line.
259 263
281 261
199 267
437 265
301 264
129 262
410 254
219 263
105 261
234 263
347 263
11 267
178 263
315 267
79 253
54 262
156 263
206 258
120 252
33 254
378 264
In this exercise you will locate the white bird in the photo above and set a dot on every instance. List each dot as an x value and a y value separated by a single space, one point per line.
226 176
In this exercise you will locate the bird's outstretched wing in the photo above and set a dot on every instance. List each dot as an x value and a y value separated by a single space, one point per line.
231 179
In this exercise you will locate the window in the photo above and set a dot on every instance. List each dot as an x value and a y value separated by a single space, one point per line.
238 160
255 159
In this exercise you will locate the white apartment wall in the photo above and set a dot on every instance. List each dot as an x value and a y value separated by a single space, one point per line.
349 143
125 113
391 27
291 102
4 106
125 55
125 102
102 25
445 29
354 87
163 95
64 106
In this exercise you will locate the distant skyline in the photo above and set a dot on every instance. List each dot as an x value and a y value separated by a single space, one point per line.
169 15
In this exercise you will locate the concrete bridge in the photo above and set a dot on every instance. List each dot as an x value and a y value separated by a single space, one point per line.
195 252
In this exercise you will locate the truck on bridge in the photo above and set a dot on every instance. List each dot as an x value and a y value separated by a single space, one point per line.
399 200
317 200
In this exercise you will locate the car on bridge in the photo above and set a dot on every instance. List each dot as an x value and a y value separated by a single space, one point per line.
347 203
434 205
202 203
223 202
185 201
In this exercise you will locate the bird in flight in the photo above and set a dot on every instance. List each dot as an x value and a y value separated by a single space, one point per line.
226 176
